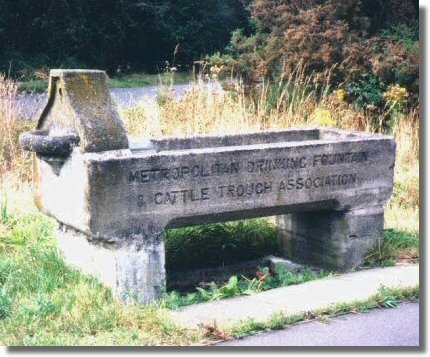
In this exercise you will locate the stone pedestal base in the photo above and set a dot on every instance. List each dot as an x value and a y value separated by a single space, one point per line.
330 239
133 267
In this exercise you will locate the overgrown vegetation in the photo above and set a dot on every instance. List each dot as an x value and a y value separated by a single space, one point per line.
43 301
12 158
370 47
396 246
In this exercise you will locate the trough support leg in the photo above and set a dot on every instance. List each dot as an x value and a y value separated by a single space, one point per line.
335 240
134 267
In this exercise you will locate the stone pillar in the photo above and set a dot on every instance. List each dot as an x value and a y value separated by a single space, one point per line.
335 240
133 267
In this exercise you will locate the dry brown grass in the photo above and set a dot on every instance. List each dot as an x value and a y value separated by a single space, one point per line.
296 100
12 158
198 112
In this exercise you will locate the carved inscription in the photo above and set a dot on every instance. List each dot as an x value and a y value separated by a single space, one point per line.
340 158
299 178
206 193
254 166
182 196
253 189
248 189
318 182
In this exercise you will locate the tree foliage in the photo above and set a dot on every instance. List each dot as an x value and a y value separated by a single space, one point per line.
106 34
366 45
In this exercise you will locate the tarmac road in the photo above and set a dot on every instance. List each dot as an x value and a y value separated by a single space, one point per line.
378 327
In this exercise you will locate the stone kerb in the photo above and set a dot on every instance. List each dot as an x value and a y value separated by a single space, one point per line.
327 188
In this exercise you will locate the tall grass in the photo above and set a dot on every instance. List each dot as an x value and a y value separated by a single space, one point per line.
203 109
402 211
12 158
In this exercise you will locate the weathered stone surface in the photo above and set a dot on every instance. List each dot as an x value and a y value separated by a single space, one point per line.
79 103
44 143
183 187
133 267
337 240
329 185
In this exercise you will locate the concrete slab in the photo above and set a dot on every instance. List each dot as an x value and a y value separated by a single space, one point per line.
293 299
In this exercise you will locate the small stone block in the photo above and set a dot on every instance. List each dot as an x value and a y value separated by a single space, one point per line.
280 265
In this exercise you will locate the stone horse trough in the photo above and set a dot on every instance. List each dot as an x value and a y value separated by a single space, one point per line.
114 198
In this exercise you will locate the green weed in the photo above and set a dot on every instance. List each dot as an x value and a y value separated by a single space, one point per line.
248 327
4 209
396 245
264 280
385 298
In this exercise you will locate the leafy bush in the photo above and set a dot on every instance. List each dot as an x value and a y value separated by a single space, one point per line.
366 45
366 91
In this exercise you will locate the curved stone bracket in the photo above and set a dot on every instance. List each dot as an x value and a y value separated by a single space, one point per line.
79 103
44 143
